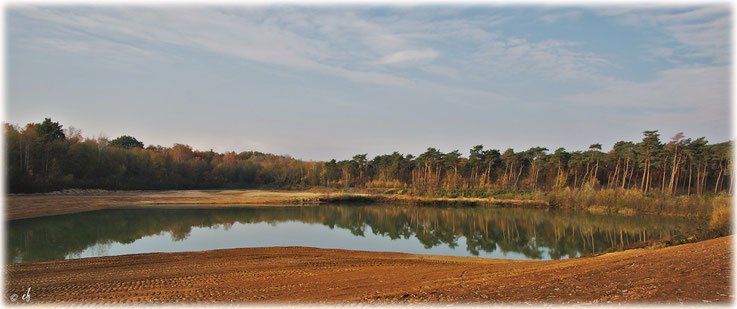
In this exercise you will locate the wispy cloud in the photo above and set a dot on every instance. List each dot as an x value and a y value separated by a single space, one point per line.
347 43
252 36
337 42
552 59
410 56
460 65
700 31
551 18
695 91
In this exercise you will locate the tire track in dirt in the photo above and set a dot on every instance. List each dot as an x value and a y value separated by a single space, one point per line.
693 273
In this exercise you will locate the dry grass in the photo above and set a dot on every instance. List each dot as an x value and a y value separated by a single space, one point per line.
635 201
721 217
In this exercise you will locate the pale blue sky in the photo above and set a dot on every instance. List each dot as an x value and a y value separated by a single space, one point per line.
322 82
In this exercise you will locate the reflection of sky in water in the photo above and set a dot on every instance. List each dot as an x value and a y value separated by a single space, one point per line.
291 233
458 231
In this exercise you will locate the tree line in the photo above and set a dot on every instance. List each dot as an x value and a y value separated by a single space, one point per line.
45 157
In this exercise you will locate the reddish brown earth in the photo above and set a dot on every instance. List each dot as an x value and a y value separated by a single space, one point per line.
19 206
694 273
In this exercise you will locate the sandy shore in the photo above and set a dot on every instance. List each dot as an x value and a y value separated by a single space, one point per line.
34 205
696 273
20 206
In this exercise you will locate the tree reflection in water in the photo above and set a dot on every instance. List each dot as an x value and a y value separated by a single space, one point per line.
536 234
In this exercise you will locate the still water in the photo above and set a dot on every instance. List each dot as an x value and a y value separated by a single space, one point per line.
509 233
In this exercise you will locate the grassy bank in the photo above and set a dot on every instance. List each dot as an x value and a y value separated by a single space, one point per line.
715 209
711 213
635 201
621 201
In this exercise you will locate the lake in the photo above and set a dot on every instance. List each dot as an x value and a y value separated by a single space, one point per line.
509 233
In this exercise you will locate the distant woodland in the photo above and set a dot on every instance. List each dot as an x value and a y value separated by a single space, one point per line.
44 157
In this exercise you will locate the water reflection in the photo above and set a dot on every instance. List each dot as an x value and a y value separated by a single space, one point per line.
530 233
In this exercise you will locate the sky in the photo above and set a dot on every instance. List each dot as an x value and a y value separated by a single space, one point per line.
330 81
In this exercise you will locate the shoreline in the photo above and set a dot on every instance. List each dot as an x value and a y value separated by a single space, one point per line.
24 206
694 273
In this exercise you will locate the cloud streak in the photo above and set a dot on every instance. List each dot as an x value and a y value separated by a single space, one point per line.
677 96
561 16
410 56
426 68
700 32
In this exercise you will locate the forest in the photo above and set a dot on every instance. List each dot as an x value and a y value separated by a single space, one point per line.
43 157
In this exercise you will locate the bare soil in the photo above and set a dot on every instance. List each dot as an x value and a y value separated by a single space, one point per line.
19 206
695 273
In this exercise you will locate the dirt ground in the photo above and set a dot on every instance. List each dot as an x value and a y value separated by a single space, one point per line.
20 206
697 273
